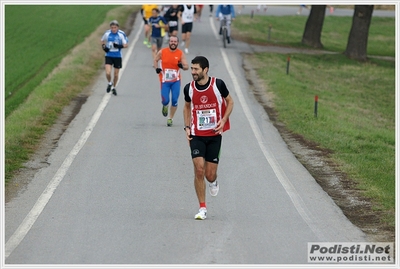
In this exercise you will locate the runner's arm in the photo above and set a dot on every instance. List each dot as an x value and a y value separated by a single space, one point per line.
184 62
156 59
180 14
223 90
124 40
186 111
225 117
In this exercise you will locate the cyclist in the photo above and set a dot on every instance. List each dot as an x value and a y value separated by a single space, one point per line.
225 12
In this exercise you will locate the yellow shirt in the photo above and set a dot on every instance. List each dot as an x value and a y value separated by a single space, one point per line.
147 10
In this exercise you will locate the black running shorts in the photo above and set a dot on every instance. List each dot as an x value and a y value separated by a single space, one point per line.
207 147
172 28
187 27
116 62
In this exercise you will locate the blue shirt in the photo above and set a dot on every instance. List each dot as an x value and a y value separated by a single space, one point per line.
156 32
109 38
225 10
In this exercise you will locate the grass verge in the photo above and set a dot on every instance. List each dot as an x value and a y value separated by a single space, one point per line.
288 31
25 126
356 111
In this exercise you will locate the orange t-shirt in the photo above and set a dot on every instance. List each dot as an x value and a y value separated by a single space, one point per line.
169 65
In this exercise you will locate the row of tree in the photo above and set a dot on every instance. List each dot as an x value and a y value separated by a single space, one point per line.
358 36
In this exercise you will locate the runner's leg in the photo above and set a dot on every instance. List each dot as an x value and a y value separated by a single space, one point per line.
116 76
199 182
108 68
198 150
175 90
187 43
212 158
165 93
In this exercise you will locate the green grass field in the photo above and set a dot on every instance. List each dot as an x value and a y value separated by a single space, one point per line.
37 38
288 31
356 108
42 94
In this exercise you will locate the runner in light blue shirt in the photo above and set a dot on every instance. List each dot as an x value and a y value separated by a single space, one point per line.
112 41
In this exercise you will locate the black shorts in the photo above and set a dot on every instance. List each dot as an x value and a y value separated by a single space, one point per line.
173 28
207 147
114 61
187 27
145 21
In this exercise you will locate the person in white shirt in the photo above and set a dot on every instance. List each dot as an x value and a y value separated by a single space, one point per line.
186 16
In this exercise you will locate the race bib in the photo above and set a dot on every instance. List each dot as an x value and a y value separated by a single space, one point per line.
189 17
206 119
173 23
111 46
170 74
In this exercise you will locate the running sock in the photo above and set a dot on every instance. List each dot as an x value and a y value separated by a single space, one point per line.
203 204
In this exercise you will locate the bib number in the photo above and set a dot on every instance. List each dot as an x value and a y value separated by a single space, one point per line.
170 74
173 23
189 18
111 46
206 119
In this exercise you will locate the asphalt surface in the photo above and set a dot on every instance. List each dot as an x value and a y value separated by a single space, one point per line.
119 187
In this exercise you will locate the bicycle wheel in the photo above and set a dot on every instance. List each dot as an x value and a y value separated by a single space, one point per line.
224 35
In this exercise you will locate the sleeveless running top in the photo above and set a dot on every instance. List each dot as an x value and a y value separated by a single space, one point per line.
208 107
188 13
169 65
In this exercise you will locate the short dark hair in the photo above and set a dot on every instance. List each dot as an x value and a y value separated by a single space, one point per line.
174 36
156 9
202 61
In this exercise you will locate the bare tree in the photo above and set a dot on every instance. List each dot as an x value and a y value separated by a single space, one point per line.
358 37
313 29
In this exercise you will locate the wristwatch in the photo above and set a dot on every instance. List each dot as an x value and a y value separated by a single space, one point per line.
184 128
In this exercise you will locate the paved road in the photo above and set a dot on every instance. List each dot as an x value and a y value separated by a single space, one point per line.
119 187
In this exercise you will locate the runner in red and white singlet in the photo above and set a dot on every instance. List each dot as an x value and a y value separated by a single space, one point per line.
208 106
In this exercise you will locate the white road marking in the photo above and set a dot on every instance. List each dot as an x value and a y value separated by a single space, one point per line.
280 174
44 198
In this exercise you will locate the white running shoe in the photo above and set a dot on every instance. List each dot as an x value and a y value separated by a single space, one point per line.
182 43
186 50
202 214
214 188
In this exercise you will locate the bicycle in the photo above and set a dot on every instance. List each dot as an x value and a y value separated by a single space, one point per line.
224 28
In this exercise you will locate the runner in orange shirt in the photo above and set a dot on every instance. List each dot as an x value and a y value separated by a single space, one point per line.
171 60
